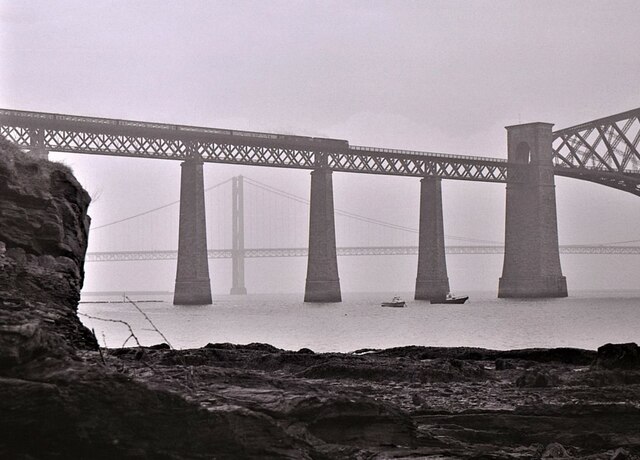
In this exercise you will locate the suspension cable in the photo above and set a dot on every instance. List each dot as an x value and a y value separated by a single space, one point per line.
149 211
359 217
617 242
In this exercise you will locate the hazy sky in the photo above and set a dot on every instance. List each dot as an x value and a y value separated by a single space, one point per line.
441 76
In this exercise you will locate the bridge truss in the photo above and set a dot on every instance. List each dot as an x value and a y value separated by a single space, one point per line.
104 136
605 151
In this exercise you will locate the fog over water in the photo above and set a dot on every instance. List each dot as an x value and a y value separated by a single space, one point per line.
440 76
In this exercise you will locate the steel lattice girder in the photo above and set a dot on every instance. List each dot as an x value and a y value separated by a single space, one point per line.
369 160
74 134
605 151
625 182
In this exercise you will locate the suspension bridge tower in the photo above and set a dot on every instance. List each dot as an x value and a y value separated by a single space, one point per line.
237 237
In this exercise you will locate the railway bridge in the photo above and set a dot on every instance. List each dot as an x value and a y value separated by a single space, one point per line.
603 151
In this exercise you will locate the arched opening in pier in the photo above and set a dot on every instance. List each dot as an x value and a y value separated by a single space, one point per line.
523 153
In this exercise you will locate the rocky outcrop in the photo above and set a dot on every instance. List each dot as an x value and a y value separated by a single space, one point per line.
619 356
43 236
442 406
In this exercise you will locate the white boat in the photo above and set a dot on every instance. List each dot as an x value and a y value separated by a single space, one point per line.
395 302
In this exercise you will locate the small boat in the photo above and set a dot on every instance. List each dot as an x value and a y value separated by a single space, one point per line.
451 299
395 302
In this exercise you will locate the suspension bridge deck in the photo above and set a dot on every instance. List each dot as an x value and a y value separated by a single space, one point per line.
123 256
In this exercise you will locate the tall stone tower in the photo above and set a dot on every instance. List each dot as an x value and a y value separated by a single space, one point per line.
531 258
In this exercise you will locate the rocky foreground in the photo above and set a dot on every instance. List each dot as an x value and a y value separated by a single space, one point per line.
411 402
61 397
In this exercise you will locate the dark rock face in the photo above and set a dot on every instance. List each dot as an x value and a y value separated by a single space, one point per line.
385 405
359 422
555 450
620 454
619 356
105 417
43 237
537 379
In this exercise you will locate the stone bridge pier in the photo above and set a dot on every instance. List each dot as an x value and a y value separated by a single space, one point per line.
432 282
193 286
323 282
531 257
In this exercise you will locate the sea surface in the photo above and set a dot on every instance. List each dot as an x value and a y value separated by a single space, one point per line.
583 320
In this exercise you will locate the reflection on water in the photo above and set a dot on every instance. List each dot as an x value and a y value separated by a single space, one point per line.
584 320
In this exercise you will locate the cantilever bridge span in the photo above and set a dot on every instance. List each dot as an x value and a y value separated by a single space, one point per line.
604 151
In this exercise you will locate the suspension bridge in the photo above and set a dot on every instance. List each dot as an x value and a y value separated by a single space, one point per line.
132 224
604 151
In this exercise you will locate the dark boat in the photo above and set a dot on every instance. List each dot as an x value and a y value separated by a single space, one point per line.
395 302
451 299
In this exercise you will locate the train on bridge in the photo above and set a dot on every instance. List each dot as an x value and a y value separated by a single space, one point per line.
62 121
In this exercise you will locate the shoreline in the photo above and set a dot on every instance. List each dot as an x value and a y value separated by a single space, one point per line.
361 323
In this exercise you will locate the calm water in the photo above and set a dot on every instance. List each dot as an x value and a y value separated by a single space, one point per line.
584 320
